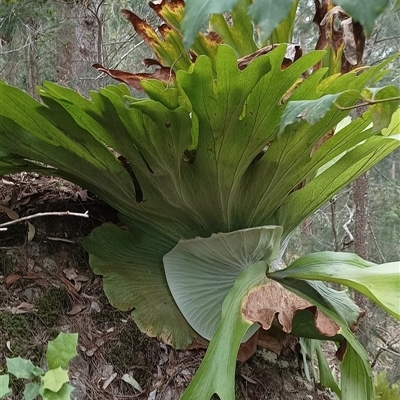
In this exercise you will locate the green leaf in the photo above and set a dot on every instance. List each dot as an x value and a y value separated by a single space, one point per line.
134 279
351 165
325 374
5 390
63 394
37 371
383 389
197 12
365 12
380 283
310 110
40 135
308 348
62 350
217 371
267 14
240 33
53 379
201 272
283 33
198 157
359 380
355 382
31 391
382 112
394 126
20 367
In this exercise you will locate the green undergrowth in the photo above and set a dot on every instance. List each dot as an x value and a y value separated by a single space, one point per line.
17 332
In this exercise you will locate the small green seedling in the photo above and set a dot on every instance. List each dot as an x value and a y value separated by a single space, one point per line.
51 384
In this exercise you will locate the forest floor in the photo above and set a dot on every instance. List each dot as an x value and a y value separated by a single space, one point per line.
47 287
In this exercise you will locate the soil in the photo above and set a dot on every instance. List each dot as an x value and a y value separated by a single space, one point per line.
47 287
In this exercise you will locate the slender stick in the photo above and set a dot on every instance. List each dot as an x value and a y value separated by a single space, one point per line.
376 242
45 214
367 103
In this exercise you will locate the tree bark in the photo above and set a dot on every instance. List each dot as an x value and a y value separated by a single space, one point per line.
66 40
32 70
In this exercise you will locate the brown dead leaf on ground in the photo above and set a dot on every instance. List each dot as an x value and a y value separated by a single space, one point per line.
11 213
31 231
10 279
76 309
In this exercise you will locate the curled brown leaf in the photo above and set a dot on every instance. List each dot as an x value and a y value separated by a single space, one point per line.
272 300
163 74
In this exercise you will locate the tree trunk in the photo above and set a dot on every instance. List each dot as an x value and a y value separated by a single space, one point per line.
65 42
32 70
79 43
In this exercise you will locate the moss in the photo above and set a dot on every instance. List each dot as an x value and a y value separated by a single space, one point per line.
6 264
18 329
133 350
50 306
15 326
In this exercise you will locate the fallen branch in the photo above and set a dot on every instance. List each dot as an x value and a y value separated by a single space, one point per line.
45 214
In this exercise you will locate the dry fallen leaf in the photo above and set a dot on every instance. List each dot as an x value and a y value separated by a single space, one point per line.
247 349
11 213
56 239
22 308
132 381
109 380
31 231
12 279
275 340
76 309
81 278
70 273
83 195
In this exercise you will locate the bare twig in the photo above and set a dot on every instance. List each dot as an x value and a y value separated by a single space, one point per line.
386 178
387 38
388 348
333 223
367 103
120 60
45 214
376 242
